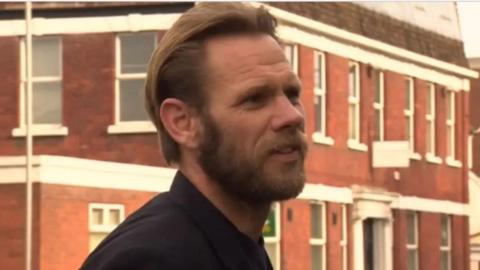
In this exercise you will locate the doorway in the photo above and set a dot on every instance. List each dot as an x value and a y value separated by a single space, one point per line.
374 244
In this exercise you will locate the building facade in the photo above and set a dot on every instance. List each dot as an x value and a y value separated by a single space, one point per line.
368 79
474 158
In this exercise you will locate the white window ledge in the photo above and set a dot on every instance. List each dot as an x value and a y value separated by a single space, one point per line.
415 156
453 162
317 137
356 145
433 159
131 127
41 130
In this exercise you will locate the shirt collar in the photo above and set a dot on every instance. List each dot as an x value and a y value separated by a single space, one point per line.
235 249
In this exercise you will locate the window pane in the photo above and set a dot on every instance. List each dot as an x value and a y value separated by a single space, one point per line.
271 249
352 122
430 142
378 120
352 78
288 50
132 100
318 114
317 257
97 217
135 51
450 142
114 217
407 94
46 56
316 211
407 129
318 72
449 104
95 239
445 237
444 260
412 260
411 228
430 100
47 102
378 87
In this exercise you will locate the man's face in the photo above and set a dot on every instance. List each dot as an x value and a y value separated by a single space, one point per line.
253 141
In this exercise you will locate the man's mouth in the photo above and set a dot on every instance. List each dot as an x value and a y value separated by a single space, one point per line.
290 152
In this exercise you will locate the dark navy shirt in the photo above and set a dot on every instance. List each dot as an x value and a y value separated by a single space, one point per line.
178 230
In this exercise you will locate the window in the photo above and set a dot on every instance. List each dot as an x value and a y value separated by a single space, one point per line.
378 105
318 236
445 243
271 234
430 117
344 238
103 219
320 100
450 108
291 52
133 52
354 107
412 240
46 87
409 112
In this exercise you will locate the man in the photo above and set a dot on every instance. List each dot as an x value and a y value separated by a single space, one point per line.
227 107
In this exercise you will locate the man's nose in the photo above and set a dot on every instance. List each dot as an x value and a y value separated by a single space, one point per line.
287 114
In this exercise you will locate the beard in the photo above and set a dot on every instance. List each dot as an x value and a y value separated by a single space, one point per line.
252 180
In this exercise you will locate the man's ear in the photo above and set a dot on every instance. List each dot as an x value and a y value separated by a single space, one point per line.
180 121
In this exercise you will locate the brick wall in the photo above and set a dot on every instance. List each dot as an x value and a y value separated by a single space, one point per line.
88 105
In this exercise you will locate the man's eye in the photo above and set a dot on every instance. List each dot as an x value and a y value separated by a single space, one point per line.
256 99
293 96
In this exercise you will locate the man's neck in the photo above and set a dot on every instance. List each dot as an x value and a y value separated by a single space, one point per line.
247 218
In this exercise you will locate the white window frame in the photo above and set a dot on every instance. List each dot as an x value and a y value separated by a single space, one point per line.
409 114
450 123
430 156
415 246
291 53
322 242
448 247
355 100
380 105
105 207
37 129
126 126
344 238
320 90
276 239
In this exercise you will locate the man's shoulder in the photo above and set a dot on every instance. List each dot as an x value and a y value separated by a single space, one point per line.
158 234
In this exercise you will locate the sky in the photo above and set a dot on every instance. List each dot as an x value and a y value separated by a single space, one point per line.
469 15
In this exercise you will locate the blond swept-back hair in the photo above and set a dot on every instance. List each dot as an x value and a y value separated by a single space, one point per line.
177 67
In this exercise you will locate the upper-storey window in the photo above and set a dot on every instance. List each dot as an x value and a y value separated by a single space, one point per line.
46 87
409 112
430 117
450 109
378 105
291 52
320 99
354 107
133 51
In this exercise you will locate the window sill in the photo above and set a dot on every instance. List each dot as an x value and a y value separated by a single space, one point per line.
415 156
41 130
433 159
453 163
322 139
356 145
131 127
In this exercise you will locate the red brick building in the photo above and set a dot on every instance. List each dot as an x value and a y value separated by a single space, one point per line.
367 78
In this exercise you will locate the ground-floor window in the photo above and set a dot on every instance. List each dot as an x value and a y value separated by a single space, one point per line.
271 235
103 218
